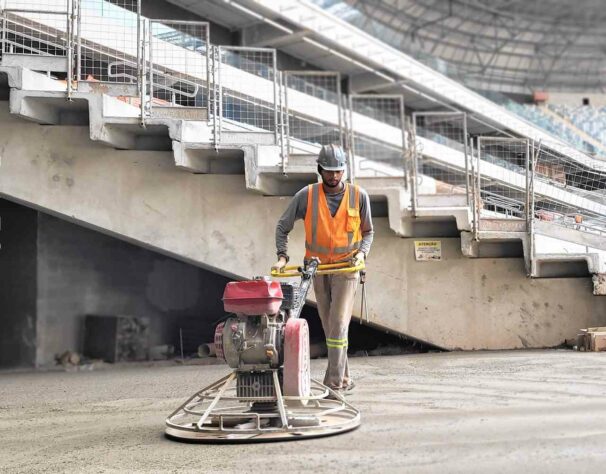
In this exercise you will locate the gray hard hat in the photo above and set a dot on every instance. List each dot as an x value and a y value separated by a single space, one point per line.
332 158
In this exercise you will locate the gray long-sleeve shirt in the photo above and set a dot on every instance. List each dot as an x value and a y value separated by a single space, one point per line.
298 207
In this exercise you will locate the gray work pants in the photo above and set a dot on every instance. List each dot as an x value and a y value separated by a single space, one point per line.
335 297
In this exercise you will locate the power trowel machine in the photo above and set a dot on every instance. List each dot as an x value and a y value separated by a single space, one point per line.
270 395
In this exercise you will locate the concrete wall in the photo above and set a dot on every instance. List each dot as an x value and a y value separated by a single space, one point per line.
576 99
84 272
17 285
214 222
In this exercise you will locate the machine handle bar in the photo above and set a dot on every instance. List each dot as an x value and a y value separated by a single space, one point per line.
325 269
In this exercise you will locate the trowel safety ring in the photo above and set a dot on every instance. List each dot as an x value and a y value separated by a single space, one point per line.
216 414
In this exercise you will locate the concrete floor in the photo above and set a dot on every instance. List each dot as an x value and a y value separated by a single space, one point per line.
538 411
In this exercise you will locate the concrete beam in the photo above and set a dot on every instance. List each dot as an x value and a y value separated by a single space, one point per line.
262 35
577 236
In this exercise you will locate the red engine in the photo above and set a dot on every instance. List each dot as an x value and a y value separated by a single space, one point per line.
252 298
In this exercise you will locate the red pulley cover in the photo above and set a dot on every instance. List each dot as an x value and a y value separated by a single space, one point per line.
252 297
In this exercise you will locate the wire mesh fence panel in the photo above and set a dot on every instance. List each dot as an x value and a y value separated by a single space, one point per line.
248 89
108 36
313 110
567 192
376 135
502 181
441 162
178 64
30 27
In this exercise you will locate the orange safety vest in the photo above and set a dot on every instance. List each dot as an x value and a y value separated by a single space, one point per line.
332 239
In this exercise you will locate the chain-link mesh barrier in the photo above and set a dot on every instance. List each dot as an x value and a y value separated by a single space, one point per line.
376 135
568 193
35 28
179 64
502 180
248 89
441 159
109 36
313 110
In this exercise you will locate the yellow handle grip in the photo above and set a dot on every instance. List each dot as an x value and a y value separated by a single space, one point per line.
326 269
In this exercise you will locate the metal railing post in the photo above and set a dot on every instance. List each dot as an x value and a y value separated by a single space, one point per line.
215 82
145 47
352 143
465 151
414 158
275 78
527 182
479 189
340 109
285 76
474 199
220 95
70 46
403 131
281 124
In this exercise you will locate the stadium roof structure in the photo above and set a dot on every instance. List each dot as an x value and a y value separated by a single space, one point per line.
515 46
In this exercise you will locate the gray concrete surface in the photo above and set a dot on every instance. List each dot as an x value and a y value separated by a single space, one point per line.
517 411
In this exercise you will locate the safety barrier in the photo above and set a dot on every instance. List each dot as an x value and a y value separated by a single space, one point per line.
305 94
502 180
577 197
376 133
443 129
179 65
109 38
248 89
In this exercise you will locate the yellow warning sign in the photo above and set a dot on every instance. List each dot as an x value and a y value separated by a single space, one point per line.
428 250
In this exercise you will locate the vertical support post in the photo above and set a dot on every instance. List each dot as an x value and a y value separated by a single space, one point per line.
474 200
208 78
414 183
403 130
466 152
285 76
340 109
79 42
143 66
220 90
479 188
282 118
139 69
213 97
70 46
527 205
352 143
3 37
275 77
531 235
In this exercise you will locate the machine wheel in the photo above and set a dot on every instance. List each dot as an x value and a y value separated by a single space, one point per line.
296 375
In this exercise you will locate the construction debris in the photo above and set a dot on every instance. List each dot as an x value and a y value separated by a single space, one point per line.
161 352
68 358
207 350
591 339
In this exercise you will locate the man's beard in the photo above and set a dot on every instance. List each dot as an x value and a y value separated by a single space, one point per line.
332 186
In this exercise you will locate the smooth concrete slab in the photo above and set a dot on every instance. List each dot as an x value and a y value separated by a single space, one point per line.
501 412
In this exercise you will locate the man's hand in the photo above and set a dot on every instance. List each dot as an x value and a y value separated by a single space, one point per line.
279 265
358 259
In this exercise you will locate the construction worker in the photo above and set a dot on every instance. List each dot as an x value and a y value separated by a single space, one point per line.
338 228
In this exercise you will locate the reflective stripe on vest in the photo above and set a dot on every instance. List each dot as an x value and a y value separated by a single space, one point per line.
329 238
